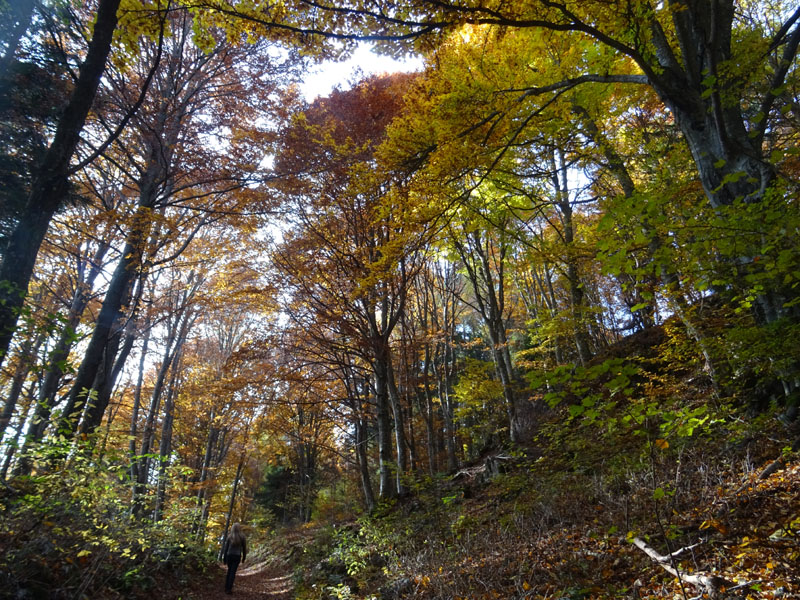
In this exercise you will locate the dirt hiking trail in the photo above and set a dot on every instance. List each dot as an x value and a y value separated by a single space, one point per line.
262 581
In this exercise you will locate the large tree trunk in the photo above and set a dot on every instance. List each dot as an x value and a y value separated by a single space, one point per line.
50 186
731 160
714 128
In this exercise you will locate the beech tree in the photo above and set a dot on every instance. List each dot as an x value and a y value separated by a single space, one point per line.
351 268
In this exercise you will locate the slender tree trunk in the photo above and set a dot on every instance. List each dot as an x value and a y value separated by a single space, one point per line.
399 425
202 483
426 410
27 354
137 402
442 370
176 336
489 288
164 450
218 455
232 503
577 297
112 315
386 488
363 461
60 354
113 362
11 445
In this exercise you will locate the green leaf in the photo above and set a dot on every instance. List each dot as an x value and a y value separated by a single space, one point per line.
576 410
709 81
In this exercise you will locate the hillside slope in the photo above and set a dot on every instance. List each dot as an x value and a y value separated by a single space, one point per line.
637 473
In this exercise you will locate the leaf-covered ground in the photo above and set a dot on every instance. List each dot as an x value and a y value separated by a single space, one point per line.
502 539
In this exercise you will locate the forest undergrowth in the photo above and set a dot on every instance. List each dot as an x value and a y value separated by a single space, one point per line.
712 487
533 532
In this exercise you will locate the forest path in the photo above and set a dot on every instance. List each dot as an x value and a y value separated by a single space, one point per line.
262 581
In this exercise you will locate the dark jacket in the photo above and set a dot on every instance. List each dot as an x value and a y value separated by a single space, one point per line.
233 549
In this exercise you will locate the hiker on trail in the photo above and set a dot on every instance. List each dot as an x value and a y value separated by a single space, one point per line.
233 552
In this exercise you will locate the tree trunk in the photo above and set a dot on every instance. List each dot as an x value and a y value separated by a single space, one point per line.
203 494
442 369
137 402
112 315
425 400
27 354
11 445
385 486
232 503
113 362
399 425
363 461
176 336
60 354
577 297
489 288
164 449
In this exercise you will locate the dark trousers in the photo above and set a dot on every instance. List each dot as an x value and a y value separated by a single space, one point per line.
232 560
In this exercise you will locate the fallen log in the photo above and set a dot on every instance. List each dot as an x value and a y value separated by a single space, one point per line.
713 585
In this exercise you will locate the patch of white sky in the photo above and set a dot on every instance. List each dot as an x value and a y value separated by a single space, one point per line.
323 78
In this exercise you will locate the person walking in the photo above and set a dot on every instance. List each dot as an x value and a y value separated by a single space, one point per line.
234 551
